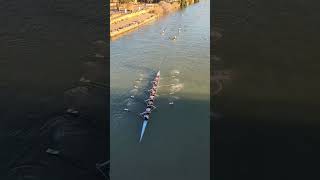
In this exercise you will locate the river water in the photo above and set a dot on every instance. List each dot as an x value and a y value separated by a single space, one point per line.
177 140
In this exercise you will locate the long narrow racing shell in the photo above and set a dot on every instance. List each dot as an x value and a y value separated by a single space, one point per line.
145 122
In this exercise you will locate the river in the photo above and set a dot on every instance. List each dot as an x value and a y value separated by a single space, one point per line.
176 144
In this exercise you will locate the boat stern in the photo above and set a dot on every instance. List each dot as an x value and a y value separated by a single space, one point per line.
144 125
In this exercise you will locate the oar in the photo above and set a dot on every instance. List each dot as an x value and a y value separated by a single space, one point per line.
135 113
138 100
166 85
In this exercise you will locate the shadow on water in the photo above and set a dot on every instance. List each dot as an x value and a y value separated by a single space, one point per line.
269 127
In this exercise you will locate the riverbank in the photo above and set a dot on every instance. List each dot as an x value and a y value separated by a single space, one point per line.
131 16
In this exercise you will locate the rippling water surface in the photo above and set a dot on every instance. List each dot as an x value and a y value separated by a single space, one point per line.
176 142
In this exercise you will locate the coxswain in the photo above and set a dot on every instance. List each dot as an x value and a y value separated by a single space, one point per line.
153 93
146 117
147 111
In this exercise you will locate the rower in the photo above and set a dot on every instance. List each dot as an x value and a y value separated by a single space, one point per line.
154 83
152 92
150 102
150 105
156 79
147 111
151 98
154 88
146 117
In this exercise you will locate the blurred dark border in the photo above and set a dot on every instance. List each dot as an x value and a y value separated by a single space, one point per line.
48 52
265 122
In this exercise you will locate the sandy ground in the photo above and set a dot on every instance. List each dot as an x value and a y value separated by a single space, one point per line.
130 21
159 9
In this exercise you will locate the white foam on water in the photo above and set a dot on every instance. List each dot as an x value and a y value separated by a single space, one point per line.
176 97
133 91
177 87
175 72
175 80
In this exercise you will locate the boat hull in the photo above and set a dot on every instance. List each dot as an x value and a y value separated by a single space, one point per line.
145 123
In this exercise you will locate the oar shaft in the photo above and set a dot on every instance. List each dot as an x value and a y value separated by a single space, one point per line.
135 113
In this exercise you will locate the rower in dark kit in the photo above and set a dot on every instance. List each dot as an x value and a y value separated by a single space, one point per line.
152 92
146 117
151 98
150 105
155 83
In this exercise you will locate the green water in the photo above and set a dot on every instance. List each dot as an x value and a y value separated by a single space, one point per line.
176 142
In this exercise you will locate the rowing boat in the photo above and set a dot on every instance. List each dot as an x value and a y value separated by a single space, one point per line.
145 122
